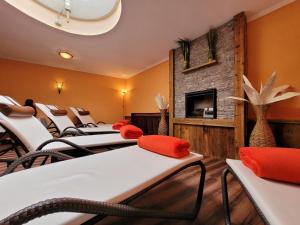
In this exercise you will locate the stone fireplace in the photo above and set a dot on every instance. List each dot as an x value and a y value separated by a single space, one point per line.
220 76
201 104
200 111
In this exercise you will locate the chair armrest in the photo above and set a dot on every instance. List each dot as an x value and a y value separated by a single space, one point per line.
31 156
75 205
75 146
76 132
86 206
88 125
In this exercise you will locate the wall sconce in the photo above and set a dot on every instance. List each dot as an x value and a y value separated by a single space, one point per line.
59 86
123 92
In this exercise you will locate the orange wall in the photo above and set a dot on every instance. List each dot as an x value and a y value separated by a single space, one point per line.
274 45
143 88
99 94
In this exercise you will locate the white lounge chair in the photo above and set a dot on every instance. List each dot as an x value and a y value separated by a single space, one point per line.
277 203
87 120
29 133
82 188
63 124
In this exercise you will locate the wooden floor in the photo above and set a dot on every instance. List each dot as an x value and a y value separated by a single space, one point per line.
179 194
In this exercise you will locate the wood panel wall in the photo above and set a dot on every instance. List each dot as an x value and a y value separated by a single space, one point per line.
240 34
148 122
208 140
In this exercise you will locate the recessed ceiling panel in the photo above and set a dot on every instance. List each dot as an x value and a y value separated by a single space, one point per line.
85 17
83 9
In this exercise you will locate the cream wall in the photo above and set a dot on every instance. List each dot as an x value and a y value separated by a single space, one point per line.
99 94
143 87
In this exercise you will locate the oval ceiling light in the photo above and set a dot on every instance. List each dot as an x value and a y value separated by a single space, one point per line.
65 55
84 17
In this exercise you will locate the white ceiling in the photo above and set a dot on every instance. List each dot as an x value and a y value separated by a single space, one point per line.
145 33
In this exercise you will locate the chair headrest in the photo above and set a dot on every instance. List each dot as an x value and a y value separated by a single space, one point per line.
16 111
83 112
58 112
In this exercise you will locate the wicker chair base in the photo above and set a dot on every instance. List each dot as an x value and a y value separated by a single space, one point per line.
102 209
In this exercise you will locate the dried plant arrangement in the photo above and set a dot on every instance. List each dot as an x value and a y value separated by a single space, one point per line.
161 102
262 135
185 45
212 41
267 93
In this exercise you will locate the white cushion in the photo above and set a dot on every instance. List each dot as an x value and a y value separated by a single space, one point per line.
111 177
90 141
2 130
100 128
84 119
28 129
278 201
61 122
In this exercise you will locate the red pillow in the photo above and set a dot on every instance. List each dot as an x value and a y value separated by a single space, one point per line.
282 164
117 126
131 132
165 145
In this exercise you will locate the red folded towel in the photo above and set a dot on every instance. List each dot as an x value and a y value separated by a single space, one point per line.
125 122
282 164
117 126
130 132
165 145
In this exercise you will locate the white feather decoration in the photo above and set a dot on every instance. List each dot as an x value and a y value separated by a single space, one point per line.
237 98
267 94
161 102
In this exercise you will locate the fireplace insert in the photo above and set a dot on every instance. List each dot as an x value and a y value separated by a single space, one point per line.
201 104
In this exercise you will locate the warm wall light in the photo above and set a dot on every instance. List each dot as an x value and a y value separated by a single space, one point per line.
123 92
65 55
59 86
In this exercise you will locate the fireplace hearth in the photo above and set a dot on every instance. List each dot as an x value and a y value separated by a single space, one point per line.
201 104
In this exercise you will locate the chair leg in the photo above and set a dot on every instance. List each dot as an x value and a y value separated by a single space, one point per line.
225 197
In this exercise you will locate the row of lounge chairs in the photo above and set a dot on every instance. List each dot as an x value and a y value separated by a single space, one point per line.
62 124
98 184
29 134
87 189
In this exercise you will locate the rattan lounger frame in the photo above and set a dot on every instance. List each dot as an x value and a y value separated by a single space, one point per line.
17 143
103 209
73 130
28 159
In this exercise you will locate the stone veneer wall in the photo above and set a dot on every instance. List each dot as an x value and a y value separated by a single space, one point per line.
219 76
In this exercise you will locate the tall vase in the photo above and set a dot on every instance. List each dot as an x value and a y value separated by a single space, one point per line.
262 135
163 126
